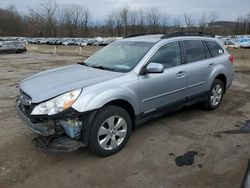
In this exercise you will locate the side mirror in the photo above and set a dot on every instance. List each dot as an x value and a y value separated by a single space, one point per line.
154 68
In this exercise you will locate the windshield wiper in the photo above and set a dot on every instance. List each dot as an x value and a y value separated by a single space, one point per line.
102 68
82 63
99 67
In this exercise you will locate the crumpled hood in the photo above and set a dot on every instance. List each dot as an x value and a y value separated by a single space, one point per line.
48 84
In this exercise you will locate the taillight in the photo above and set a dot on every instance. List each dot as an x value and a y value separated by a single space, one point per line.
231 58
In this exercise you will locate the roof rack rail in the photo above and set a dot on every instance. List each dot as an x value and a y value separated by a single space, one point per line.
181 34
142 34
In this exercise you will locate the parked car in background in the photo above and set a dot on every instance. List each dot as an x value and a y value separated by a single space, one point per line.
244 42
107 41
12 47
59 42
51 41
69 42
90 41
42 41
84 43
98 41
97 103
231 44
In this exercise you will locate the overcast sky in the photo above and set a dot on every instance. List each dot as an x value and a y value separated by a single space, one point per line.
226 9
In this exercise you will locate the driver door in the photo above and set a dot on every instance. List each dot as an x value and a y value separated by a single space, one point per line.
162 90
3 48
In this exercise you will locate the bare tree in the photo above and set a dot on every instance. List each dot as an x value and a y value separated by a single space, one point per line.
247 30
124 17
141 21
110 24
67 21
51 20
11 22
165 23
85 20
238 26
188 21
133 20
203 22
211 20
47 15
118 23
177 24
153 19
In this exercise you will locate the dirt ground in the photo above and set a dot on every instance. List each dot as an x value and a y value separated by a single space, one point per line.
148 160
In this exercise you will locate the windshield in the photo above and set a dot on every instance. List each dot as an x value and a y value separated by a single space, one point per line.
121 56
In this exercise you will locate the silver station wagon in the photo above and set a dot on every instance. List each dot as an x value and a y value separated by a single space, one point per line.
97 103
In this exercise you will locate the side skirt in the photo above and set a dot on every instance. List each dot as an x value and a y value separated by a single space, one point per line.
170 108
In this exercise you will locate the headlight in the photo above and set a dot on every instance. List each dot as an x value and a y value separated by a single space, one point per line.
57 104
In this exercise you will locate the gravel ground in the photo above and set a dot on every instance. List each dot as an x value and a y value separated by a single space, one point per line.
148 160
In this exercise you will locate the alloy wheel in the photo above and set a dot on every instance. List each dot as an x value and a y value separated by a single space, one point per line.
112 132
216 95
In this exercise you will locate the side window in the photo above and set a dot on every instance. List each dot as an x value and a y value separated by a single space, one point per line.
194 50
168 55
215 48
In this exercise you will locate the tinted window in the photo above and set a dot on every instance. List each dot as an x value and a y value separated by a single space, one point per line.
168 55
215 48
194 50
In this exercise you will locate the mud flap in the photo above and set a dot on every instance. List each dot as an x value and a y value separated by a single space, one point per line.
58 144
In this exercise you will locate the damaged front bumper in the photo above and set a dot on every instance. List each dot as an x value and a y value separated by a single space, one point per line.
42 128
60 132
57 144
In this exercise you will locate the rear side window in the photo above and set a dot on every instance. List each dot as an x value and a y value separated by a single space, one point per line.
214 48
194 50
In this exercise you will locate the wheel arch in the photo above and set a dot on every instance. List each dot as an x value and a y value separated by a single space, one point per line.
222 78
125 105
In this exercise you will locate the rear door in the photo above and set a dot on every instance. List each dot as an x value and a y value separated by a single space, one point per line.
199 67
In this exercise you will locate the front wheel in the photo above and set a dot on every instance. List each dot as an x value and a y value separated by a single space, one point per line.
110 130
215 95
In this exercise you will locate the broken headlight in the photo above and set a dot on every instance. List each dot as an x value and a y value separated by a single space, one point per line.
57 104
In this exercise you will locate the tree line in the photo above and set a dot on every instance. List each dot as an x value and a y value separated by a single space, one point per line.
52 20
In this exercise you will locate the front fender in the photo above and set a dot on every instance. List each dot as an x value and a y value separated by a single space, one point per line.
91 101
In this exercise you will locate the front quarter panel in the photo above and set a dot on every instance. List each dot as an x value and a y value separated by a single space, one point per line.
97 95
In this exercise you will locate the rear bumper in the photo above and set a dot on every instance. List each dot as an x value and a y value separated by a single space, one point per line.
39 128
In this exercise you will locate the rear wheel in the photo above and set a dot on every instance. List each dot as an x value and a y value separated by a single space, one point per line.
18 51
110 130
215 95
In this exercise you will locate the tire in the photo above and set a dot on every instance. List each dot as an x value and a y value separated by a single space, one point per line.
214 98
18 51
105 140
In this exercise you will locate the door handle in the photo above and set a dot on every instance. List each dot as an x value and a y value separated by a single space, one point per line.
211 65
181 74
